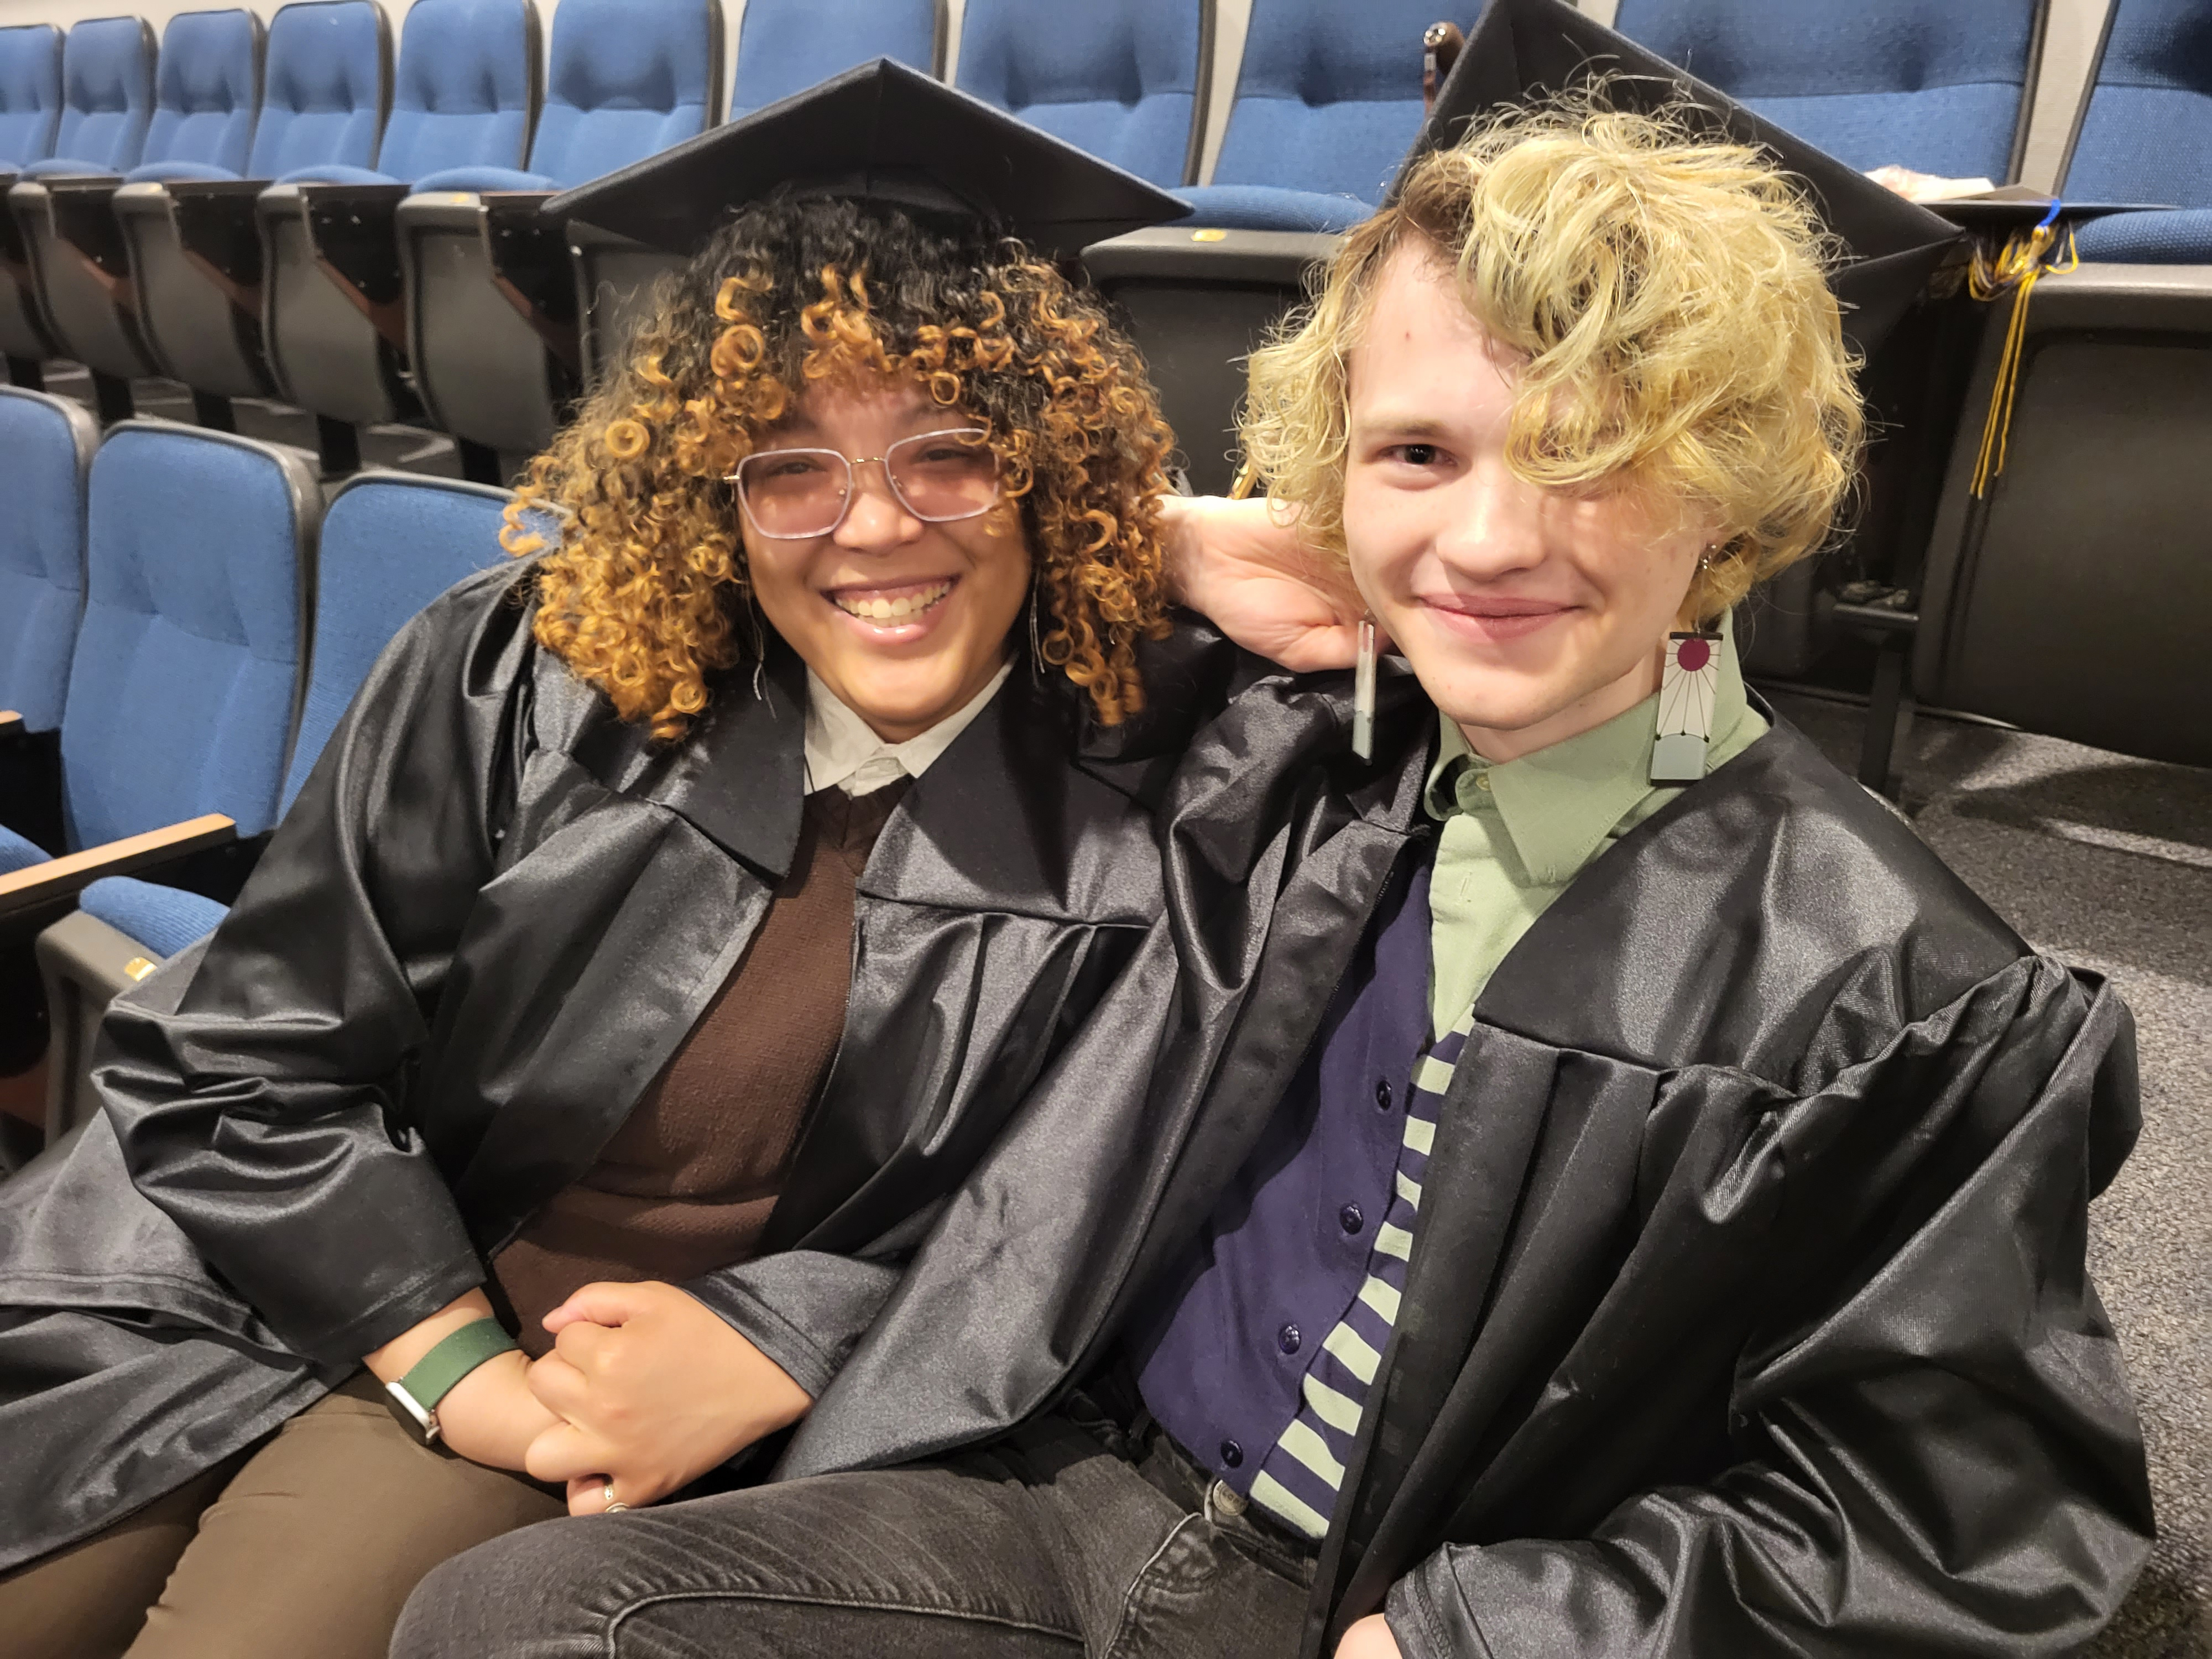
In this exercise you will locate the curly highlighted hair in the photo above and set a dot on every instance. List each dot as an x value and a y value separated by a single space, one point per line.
1668 294
644 594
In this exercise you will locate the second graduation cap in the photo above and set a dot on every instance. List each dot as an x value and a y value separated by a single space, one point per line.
881 132
1524 51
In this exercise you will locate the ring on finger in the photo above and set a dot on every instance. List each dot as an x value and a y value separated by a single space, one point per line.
613 1505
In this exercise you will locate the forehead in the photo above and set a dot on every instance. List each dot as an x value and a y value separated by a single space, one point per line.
876 402
1420 349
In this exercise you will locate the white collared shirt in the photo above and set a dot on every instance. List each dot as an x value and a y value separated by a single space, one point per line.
842 752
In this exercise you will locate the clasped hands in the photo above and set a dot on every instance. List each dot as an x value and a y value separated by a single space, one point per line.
646 1390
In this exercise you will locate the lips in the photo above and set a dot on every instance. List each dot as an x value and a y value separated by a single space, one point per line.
903 603
1494 620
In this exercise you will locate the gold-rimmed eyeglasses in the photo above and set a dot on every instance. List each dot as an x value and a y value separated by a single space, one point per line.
790 494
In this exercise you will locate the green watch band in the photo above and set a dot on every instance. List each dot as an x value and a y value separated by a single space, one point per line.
433 1376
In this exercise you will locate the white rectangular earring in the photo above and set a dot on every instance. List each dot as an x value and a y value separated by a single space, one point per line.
1688 682
1363 693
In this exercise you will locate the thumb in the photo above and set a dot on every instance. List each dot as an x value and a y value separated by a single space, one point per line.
597 1305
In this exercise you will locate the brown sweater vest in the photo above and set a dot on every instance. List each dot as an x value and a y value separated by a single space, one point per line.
686 1184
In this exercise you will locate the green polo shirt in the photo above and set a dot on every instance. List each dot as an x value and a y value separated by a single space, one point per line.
1516 833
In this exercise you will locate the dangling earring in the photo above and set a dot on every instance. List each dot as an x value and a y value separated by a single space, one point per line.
1036 646
760 642
1363 693
1689 680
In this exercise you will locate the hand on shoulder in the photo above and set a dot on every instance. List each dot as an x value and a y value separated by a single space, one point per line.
649 1390
1240 565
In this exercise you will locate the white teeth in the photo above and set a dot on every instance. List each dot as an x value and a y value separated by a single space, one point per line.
899 609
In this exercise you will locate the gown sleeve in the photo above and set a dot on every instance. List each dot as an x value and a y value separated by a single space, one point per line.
808 1310
1941 1457
268 1113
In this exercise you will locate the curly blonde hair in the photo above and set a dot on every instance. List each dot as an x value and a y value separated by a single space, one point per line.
1669 293
645 592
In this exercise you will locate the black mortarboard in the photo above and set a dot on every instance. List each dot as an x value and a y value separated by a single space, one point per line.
1521 50
886 133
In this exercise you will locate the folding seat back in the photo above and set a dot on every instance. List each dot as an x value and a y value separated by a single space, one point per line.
45 446
1120 81
2146 135
107 97
627 78
391 543
30 92
1328 99
468 87
324 88
1936 85
184 686
207 90
788 46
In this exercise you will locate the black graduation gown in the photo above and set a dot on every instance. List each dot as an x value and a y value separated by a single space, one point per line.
492 916
1746 1312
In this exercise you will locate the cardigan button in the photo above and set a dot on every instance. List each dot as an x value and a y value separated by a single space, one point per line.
1382 1093
1232 1453
1350 1218
1289 1339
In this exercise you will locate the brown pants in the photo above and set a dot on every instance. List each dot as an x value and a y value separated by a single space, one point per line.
304 1548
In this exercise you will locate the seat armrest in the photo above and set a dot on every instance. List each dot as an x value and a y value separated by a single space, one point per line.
41 884
525 252
352 229
84 218
216 227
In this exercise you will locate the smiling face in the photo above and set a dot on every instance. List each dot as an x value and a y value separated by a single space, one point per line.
1529 614
904 620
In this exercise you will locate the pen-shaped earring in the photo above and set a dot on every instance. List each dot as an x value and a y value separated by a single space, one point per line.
1363 693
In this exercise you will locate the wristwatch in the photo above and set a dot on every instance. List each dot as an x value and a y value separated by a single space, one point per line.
433 1376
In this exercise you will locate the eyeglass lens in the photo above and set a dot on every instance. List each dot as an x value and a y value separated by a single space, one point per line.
937 477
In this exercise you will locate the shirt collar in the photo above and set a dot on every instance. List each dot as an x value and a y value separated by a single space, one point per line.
1559 803
843 752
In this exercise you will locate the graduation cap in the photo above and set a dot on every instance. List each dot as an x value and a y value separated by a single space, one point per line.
879 133
1523 51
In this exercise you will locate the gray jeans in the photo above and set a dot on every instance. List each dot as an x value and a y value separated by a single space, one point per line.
1046 1545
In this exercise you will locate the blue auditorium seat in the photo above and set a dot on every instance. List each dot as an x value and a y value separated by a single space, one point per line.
1327 102
788 46
30 93
326 66
186 676
1935 85
107 98
626 78
466 94
207 91
469 83
2147 135
46 446
206 94
390 543
1120 81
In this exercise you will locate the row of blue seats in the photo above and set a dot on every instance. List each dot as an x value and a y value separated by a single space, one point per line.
1325 104
179 673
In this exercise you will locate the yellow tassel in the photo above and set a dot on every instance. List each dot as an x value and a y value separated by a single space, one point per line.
2024 260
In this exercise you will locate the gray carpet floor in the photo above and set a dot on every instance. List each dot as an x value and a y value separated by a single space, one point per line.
2106 863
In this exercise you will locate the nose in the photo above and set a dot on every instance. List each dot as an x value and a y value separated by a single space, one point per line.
1491 521
875 519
